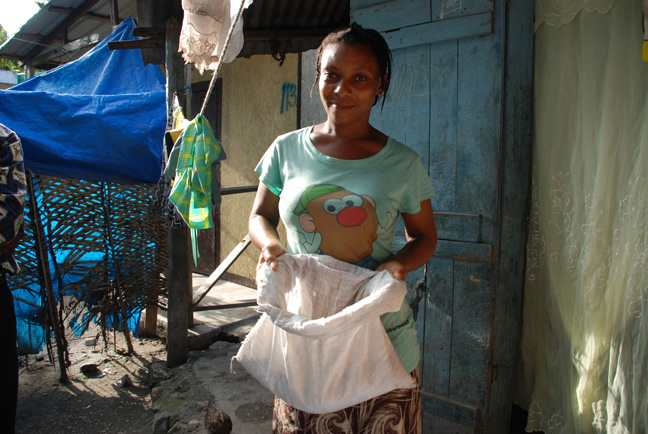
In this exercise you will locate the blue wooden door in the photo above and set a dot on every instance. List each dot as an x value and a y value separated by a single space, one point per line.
460 96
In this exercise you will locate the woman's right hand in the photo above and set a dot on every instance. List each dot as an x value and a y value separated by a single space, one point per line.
262 227
269 255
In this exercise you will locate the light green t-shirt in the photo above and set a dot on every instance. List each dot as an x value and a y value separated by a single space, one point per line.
348 209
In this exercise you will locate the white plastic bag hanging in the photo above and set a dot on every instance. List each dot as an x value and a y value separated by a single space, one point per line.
320 344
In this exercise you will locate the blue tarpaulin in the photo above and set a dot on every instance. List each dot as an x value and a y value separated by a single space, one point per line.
99 118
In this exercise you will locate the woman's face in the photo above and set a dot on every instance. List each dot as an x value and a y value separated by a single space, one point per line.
349 82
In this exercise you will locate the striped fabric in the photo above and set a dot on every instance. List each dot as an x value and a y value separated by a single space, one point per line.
396 412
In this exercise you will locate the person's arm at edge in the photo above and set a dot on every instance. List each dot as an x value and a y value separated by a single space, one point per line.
421 243
262 226
12 192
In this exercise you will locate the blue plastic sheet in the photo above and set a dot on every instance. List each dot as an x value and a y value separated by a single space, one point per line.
99 118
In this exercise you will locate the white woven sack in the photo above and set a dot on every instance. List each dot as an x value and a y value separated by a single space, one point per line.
320 345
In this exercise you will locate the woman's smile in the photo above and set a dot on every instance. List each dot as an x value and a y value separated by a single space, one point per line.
349 82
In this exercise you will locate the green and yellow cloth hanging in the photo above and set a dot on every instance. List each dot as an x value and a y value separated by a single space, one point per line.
194 190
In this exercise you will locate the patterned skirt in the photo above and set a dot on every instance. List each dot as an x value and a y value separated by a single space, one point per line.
395 412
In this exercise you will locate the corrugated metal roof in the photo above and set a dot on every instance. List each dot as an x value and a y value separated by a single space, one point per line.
64 30
58 32
290 26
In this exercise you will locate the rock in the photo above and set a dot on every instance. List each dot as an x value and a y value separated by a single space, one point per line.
216 420
126 381
179 428
158 373
161 423
193 425
156 393
90 342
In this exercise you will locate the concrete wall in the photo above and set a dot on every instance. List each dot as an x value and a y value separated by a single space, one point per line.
311 111
260 101
7 79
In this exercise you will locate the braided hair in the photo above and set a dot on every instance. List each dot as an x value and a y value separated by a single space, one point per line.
369 38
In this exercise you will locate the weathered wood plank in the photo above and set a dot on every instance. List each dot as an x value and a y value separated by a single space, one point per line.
238 190
458 227
406 111
516 144
453 411
460 251
405 115
440 31
443 124
473 302
391 14
145 32
436 335
138 43
444 9
438 424
457 250
478 132
220 270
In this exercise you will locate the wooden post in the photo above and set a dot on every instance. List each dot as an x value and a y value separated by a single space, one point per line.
114 13
179 278
189 115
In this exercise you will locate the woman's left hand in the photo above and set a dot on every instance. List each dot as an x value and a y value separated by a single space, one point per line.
397 270
421 243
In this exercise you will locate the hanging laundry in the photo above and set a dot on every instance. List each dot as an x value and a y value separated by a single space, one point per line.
193 192
205 27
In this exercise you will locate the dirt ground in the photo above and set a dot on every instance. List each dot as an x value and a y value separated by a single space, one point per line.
116 396
111 396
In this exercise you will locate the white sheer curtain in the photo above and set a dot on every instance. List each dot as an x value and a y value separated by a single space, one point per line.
583 365
555 13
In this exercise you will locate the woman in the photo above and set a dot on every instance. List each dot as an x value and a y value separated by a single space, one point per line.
339 188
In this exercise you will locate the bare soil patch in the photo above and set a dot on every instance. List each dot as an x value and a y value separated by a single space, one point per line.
111 396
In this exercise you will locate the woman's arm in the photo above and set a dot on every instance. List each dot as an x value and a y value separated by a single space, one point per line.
421 243
262 226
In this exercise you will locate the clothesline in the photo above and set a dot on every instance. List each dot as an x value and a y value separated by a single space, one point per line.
221 56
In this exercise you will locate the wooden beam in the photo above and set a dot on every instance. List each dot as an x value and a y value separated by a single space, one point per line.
90 15
114 12
237 190
97 17
37 37
71 47
67 22
60 10
244 303
221 269
7 56
141 43
149 32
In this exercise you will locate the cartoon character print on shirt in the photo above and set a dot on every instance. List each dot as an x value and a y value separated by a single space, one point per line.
343 224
